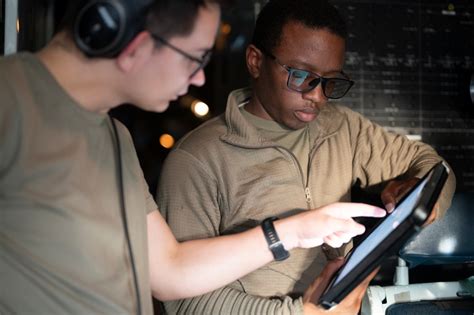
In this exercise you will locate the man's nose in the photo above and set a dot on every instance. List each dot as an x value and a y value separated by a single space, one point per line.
316 95
198 79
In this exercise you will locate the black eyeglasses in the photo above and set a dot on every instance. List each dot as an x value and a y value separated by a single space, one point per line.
304 81
200 63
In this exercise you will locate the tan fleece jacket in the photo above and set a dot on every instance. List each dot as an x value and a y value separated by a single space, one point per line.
223 178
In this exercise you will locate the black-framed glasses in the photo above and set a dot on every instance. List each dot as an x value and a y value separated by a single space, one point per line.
200 63
304 81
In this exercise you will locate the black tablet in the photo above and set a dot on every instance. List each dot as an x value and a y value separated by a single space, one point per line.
388 236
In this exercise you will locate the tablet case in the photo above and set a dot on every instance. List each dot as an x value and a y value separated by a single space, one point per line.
335 293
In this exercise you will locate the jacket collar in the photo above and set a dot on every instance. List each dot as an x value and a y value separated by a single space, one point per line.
240 132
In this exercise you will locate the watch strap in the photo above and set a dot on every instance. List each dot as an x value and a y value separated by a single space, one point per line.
274 244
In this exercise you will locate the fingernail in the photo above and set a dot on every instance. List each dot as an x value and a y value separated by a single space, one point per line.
390 206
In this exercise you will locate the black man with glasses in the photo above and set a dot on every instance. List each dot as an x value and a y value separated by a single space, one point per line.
283 146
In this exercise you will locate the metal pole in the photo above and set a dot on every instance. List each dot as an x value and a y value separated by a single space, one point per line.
11 34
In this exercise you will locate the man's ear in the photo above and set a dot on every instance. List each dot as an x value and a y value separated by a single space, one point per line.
254 58
136 52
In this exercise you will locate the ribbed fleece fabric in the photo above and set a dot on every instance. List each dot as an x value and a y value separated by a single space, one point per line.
224 177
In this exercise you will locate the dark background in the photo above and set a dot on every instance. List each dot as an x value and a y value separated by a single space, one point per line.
412 62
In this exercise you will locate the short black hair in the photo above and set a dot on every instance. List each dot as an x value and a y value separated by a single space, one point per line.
317 14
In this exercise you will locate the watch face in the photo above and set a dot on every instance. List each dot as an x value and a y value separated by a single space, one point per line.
280 253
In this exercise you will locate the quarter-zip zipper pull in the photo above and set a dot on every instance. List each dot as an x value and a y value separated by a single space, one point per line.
307 193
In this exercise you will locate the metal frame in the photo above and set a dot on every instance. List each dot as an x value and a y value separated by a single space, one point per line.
378 299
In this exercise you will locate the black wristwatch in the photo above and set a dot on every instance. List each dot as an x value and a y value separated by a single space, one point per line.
274 244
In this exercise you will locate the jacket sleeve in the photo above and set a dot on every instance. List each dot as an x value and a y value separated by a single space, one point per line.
234 302
188 197
380 156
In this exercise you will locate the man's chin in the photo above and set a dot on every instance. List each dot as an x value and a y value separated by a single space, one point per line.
158 107
163 108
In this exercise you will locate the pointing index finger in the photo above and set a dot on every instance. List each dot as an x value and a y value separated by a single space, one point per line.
347 210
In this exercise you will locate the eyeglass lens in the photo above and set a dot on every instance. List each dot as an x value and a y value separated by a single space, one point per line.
203 63
304 81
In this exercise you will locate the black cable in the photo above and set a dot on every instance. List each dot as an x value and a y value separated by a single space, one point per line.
124 215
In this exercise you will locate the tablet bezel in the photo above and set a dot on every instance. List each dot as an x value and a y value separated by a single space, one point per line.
332 295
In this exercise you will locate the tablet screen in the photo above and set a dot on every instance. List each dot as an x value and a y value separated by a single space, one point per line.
378 235
388 236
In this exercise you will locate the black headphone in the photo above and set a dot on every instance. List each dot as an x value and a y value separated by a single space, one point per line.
102 28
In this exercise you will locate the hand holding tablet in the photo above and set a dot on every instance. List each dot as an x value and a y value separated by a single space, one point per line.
387 237
349 305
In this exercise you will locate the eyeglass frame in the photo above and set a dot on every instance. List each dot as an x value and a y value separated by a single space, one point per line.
203 62
322 80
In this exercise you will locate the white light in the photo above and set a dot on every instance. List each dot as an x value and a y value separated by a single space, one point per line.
199 108
414 137
447 245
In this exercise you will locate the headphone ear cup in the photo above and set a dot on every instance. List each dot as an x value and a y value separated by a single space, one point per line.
99 28
102 28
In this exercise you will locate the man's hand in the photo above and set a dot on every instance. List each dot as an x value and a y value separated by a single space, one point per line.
171 262
395 190
331 224
349 305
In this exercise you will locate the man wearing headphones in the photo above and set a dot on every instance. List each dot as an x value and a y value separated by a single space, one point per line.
79 231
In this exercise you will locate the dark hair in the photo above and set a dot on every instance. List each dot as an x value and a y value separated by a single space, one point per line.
169 18
166 18
317 14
